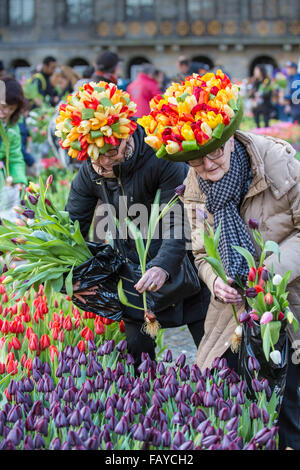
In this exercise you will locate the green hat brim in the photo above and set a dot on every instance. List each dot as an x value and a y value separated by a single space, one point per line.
214 143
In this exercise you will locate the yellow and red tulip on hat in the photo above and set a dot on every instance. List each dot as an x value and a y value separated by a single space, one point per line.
94 119
193 118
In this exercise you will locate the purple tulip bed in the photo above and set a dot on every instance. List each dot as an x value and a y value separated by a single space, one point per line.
95 400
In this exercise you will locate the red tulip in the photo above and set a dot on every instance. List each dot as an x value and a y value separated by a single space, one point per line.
67 324
55 333
15 343
122 326
269 299
12 367
252 274
53 350
28 364
99 327
29 332
44 342
81 346
259 289
87 333
23 360
2 368
33 342
281 316
61 336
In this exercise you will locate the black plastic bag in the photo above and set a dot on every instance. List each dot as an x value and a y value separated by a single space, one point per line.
274 373
101 270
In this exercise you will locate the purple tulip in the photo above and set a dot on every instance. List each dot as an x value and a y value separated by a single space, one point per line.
224 414
253 223
39 442
75 418
209 440
41 426
254 411
60 420
184 409
253 364
180 190
168 356
166 438
265 416
32 199
236 410
15 414
15 435
122 426
256 385
73 439
244 317
55 444
201 215
140 433
28 443
251 292
265 275
28 213
208 399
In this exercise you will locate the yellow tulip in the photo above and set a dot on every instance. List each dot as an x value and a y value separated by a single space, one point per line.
93 151
187 133
73 153
84 127
172 147
153 141
206 129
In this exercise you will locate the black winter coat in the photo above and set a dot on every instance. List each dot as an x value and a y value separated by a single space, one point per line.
138 179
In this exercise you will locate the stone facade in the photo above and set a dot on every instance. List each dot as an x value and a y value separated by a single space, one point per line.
233 34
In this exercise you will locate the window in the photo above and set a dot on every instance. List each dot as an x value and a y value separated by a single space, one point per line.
20 12
139 9
201 9
79 11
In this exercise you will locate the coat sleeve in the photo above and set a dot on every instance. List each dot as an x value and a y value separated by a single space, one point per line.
168 176
205 271
290 247
82 201
17 167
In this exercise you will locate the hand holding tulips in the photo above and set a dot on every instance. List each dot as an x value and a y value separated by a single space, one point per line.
225 293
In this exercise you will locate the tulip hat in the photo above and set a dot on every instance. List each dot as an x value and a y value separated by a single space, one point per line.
193 118
94 119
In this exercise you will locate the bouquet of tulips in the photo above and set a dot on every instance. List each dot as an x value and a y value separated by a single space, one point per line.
193 117
266 296
94 119
50 243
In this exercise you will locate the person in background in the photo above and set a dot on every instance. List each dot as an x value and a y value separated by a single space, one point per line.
43 80
24 131
183 67
9 115
293 94
143 89
261 93
2 70
162 80
64 80
107 68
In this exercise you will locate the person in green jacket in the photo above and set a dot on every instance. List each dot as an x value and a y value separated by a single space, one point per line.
9 115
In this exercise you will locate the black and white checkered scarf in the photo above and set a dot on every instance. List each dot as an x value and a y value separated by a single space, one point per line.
223 200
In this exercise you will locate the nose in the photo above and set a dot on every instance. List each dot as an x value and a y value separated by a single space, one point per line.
208 164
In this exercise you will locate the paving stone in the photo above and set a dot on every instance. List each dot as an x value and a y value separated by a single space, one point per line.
179 341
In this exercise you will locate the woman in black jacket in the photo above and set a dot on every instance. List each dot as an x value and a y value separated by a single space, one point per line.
128 175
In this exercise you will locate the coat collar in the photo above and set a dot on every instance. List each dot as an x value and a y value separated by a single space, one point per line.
264 165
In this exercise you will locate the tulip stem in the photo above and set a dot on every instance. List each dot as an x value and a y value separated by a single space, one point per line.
235 314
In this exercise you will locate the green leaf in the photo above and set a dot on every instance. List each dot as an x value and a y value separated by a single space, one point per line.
58 283
274 331
69 282
246 254
209 245
260 304
217 268
266 337
218 131
273 247
139 242
122 297
106 102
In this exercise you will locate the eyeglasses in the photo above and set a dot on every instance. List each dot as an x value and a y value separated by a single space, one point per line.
211 156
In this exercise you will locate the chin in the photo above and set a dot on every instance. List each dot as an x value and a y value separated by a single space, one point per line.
215 177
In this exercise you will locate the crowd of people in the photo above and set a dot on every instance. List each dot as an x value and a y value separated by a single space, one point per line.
239 180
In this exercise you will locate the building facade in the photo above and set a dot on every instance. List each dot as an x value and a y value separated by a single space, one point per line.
235 34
